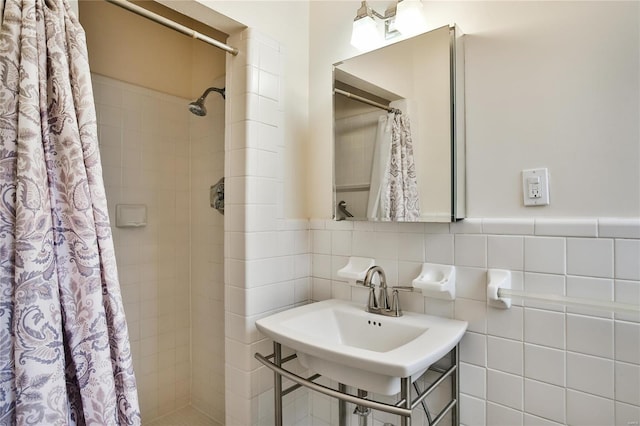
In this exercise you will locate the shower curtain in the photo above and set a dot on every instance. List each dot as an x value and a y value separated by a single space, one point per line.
65 357
393 194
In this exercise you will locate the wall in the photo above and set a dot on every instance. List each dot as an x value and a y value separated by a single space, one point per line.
267 265
548 84
144 146
536 363
207 259
187 66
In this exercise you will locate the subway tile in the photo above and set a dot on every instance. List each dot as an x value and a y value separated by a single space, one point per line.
411 247
627 414
386 245
467 226
544 328
627 292
627 383
505 389
471 283
321 242
505 355
472 411
507 323
436 228
320 289
530 420
544 364
544 400
473 380
471 250
544 254
473 349
619 228
590 257
627 259
341 243
545 284
500 415
505 252
567 227
588 410
439 248
590 374
591 336
474 312
438 307
627 341
508 226
592 289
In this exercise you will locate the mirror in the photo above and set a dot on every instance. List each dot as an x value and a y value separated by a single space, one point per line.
399 131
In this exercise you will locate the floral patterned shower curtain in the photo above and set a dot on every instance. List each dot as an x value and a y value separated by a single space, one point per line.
393 194
65 357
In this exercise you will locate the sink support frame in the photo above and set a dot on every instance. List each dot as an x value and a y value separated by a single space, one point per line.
402 408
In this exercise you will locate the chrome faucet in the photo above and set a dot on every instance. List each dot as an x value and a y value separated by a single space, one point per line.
380 305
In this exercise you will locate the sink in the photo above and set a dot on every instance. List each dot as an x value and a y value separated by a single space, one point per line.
340 340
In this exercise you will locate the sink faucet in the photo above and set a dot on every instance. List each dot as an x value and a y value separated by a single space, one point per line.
378 305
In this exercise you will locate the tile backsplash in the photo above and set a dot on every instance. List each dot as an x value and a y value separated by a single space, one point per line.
536 363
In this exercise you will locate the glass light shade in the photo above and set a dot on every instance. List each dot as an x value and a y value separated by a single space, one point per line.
409 18
365 35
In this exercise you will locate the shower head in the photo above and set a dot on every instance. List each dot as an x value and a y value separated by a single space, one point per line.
197 107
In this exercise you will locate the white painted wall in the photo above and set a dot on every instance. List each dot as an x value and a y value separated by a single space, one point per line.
549 84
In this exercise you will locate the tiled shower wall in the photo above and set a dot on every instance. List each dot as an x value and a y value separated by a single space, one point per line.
207 260
145 149
536 363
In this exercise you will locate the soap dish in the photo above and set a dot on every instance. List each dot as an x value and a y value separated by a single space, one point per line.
356 269
437 281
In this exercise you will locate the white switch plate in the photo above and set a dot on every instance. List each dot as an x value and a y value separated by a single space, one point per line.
535 187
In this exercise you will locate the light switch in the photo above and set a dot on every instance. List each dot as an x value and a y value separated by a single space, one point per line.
535 187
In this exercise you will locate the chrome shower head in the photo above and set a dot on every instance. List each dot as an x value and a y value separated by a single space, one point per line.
197 107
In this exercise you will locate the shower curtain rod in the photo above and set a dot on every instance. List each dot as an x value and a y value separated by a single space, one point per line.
173 25
366 101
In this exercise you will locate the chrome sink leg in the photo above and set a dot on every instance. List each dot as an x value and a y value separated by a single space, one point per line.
277 379
455 385
343 415
405 395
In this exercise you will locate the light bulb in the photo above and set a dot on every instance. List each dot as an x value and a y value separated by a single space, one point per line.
409 18
365 35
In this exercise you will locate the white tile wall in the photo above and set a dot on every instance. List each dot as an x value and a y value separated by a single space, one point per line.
267 260
537 363
207 259
144 144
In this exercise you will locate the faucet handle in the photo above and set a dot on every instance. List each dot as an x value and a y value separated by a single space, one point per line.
373 302
383 298
395 303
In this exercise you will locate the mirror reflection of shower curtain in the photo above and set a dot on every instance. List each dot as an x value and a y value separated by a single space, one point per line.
394 188
379 169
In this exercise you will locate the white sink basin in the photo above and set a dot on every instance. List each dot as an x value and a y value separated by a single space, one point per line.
341 341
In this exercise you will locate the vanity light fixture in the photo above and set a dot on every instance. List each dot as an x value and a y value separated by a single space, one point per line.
403 17
409 18
365 35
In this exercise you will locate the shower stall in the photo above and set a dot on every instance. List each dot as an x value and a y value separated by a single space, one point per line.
162 150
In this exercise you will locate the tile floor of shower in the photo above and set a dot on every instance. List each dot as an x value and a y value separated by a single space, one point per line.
187 416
